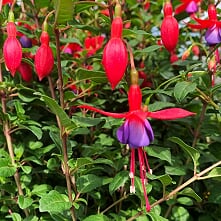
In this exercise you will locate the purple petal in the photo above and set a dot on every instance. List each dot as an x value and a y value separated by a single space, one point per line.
192 7
212 35
135 132
123 133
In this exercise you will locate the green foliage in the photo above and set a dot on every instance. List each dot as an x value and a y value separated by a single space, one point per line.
61 162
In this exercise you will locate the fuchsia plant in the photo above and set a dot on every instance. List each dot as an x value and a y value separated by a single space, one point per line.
190 6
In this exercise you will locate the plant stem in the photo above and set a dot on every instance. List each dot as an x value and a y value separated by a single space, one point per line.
175 191
115 203
6 129
63 133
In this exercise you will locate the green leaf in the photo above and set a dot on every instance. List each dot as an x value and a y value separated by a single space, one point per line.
148 49
185 201
98 217
159 152
179 171
134 33
41 190
191 193
165 179
82 6
54 202
182 89
6 170
155 217
216 172
58 111
26 169
16 217
89 182
35 130
180 213
192 152
119 180
24 202
86 121
63 11
96 76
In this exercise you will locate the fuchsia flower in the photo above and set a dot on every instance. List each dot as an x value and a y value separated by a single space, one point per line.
12 49
169 28
115 57
4 2
92 44
44 60
213 26
26 71
190 6
136 131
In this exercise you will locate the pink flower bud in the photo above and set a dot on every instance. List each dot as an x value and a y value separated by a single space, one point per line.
169 29
196 50
115 57
185 54
12 49
44 60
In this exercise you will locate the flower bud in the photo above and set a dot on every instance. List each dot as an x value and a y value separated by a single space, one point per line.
185 54
196 50
169 29
12 49
44 60
115 55
26 71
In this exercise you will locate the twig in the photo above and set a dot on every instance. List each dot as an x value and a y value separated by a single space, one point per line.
175 191
63 134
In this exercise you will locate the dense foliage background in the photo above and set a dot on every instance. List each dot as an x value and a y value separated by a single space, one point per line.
59 162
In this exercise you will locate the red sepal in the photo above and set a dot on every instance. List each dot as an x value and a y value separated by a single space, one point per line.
170 114
109 114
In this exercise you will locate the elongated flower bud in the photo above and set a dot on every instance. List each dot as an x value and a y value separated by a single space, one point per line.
115 57
169 29
12 49
44 60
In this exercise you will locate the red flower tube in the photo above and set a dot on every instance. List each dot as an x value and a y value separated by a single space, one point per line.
12 49
169 28
44 60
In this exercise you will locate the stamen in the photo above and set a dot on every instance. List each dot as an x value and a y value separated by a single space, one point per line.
143 177
132 189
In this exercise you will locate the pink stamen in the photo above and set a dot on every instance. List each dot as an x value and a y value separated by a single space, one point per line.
143 177
146 161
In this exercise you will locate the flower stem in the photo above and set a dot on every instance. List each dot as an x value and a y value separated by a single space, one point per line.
63 133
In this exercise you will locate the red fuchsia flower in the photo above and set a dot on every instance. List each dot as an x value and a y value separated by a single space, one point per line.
213 26
115 57
92 44
12 49
146 5
136 131
190 6
169 28
44 60
26 71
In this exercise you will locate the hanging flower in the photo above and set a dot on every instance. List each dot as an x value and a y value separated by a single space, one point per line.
4 2
136 131
12 49
169 28
115 57
44 60
213 26
190 6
